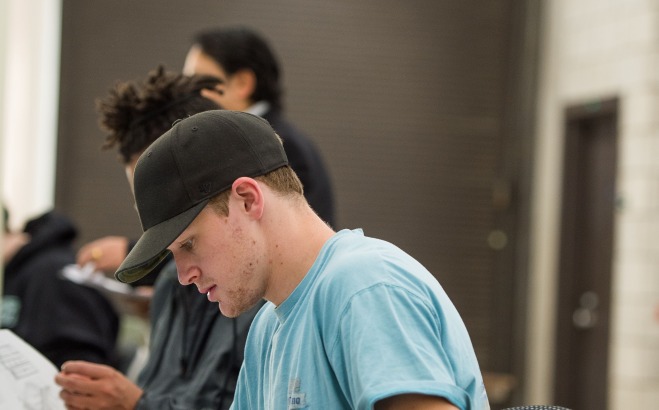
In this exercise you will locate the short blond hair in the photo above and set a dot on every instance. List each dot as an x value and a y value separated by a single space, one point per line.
282 180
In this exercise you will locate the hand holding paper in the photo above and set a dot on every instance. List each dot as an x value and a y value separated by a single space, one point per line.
95 386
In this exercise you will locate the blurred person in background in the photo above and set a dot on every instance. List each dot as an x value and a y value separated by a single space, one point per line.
251 77
195 353
61 319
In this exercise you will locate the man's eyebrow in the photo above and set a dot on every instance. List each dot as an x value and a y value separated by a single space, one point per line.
186 242
178 241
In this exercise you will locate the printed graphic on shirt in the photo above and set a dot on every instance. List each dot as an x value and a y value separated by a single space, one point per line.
296 398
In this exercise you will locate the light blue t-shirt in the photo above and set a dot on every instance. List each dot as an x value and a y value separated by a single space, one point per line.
367 322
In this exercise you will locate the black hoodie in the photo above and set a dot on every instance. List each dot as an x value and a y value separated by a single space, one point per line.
61 319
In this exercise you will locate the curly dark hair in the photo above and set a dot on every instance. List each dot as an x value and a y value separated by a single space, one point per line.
136 113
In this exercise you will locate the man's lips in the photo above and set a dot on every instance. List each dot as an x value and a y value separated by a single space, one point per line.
207 291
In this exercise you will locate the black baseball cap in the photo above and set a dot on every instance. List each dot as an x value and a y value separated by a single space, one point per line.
174 179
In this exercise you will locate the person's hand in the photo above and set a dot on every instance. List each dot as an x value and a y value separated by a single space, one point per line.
105 253
94 386
214 94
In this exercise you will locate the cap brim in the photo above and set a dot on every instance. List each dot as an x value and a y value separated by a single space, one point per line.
151 248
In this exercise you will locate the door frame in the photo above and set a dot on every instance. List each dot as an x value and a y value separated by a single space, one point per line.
587 344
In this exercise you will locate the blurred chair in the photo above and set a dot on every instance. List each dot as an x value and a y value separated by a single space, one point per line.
499 387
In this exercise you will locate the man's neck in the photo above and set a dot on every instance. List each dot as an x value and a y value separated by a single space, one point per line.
298 240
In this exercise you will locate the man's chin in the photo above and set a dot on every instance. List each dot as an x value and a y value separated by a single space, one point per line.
227 312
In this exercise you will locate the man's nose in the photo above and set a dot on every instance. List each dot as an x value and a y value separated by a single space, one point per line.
186 274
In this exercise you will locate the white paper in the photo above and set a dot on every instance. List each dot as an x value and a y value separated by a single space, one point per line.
87 275
27 378
125 298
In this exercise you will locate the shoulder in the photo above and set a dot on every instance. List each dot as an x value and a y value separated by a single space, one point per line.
366 261
39 270
296 142
355 265
282 125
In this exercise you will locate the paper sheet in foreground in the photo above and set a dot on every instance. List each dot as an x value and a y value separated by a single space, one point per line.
27 379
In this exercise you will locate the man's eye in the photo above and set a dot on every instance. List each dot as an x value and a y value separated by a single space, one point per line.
187 245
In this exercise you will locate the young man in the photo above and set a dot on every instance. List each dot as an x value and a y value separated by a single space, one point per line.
250 73
351 321
194 353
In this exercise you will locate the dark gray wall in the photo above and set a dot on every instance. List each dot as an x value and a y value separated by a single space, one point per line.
410 102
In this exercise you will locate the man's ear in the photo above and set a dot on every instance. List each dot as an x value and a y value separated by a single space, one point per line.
249 195
245 83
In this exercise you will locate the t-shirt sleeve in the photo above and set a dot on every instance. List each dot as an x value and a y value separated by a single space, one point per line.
389 342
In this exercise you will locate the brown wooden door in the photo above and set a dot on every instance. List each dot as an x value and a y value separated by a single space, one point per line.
582 334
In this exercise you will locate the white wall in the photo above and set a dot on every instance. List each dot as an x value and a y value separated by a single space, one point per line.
595 49
29 66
